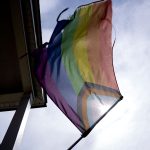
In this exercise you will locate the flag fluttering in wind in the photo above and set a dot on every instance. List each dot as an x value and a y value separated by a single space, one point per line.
76 67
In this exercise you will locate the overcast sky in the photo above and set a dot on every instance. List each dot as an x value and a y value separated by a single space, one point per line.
126 127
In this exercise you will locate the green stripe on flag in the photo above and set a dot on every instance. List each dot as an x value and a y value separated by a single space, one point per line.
68 56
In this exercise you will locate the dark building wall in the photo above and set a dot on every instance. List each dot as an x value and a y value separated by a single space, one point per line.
10 80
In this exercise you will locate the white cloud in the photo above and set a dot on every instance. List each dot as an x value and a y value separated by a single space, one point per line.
5 118
48 128
48 5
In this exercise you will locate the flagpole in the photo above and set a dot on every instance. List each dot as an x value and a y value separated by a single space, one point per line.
82 136
75 143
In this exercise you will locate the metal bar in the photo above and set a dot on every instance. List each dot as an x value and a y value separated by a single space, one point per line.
75 143
15 130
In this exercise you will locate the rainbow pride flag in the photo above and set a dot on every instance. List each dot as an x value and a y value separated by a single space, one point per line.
76 68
